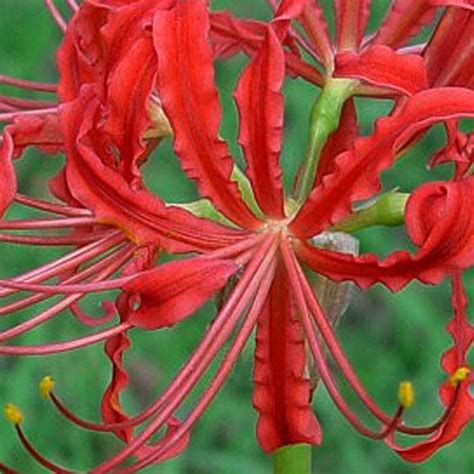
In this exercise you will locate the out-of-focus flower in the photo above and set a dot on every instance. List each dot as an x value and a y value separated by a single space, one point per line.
129 69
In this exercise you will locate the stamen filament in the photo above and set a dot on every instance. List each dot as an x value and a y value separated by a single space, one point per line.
219 378
25 84
26 224
50 206
55 13
7 117
221 329
57 348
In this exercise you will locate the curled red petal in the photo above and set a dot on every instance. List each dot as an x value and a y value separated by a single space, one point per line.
190 100
7 172
382 66
352 17
357 171
173 291
439 221
282 391
261 105
100 188
405 19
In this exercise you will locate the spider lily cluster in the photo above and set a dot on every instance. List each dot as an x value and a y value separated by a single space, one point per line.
136 72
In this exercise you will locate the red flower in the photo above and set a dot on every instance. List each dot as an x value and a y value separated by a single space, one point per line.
268 241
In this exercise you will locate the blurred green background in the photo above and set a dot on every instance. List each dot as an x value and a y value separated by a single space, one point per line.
389 337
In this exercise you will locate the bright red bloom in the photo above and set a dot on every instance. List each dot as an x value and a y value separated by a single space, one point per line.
270 247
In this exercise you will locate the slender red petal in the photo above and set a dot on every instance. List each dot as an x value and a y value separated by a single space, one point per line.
381 66
357 172
261 107
7 172
190 100
173 291
463 336
352 17
282 390
341 140
439 221
449 55
405 19
314 22
140 214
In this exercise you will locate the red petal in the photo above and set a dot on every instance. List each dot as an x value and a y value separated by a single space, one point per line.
439 221
357 172
314 22
352 17
449 55
140 214
405 19
7 172
173 291
381 66
190 100
261 107
463 413
111 407
282 391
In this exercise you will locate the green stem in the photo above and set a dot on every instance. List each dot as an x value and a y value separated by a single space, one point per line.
325 116
388 210
294 459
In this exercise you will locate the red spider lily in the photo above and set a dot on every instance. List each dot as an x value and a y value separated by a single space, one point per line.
271 246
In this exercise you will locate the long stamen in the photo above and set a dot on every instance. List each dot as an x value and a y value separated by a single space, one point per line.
318 353
121 255
50 206
57 348
24 84
189 376
56 309
6 469
15 416
344 363
26 103
69 261
26 224
219 378
73 5
56 14
56 241
217 334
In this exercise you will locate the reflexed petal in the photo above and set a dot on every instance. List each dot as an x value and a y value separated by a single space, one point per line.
173 291
381 66
439 221
357 171
140 214
282 390
261 108
7 172
190 99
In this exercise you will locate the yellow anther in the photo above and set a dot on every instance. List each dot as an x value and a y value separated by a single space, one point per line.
459 376
46 386
406 394
14 414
